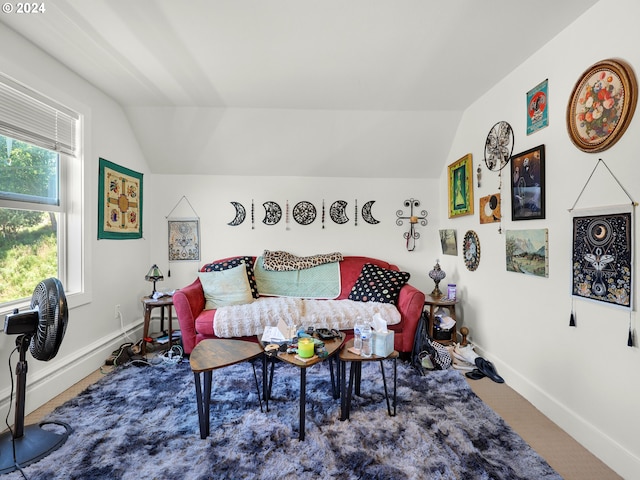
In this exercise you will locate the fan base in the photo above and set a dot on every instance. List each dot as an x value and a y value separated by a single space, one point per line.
35 444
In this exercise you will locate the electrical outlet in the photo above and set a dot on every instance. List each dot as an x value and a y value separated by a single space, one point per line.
117 312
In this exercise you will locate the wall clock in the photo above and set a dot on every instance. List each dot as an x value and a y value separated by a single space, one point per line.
499 146
471 250
601 105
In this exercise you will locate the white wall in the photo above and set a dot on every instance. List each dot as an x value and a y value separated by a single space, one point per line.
114 269
584 378
210 197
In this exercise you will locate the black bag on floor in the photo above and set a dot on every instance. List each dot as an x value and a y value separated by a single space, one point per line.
428 354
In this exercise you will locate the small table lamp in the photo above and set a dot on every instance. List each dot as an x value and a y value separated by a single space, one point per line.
154 275
437 274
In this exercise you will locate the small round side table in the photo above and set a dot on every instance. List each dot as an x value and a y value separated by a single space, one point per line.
434 302
149 303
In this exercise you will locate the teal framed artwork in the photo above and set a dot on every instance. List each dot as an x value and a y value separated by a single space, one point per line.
119 202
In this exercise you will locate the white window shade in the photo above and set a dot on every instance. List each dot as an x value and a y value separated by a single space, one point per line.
33 118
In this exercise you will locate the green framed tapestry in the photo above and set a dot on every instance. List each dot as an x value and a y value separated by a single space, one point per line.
119 202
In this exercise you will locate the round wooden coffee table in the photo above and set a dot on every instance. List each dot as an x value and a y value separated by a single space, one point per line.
209 355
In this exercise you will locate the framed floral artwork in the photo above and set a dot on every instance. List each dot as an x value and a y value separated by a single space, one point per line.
119 202
528 185
461 187
471 250
601 105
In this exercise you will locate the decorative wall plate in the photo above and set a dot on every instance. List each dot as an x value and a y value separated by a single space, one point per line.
304 213
601 105
471 250
498 146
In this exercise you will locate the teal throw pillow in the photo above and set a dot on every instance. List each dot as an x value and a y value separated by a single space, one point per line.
226 287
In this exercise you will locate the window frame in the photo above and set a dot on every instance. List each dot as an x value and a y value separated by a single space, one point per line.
74 259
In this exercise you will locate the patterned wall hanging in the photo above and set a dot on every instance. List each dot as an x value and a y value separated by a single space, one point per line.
184 239
602 255
184 235
304 213
119 202
602 258
240 216
272 213
367 216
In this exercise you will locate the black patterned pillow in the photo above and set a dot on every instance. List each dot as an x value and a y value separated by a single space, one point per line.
377 284
234 262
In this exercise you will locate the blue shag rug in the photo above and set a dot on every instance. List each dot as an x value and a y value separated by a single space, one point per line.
142 423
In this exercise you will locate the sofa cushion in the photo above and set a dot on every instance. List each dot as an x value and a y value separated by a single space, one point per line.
377 284
234 262
226 287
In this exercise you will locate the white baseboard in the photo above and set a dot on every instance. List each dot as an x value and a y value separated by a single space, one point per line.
65 371
613 454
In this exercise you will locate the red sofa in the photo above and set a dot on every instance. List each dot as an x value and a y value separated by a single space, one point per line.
196 324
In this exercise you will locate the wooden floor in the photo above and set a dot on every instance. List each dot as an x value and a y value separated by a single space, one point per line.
563 453
570 459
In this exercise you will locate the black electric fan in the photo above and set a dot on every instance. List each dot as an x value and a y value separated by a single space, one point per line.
40 329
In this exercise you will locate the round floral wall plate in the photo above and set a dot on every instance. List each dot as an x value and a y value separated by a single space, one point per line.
601 105
471 250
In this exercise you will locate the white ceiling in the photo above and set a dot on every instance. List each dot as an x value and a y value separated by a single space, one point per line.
295 87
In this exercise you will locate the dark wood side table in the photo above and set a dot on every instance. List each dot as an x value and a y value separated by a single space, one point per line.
435 302
209 355
149 303
355 374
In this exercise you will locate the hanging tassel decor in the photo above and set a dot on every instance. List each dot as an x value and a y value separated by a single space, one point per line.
630 338
572 318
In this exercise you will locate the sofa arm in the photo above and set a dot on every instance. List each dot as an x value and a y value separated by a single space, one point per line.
410 305
189 303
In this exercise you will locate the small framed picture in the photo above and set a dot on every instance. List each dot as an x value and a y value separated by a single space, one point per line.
527 185
461 187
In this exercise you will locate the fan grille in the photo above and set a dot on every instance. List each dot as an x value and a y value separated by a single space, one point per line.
51 302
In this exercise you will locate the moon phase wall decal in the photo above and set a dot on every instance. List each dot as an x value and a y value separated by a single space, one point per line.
304 213
241 214
337 212
366 213
273 213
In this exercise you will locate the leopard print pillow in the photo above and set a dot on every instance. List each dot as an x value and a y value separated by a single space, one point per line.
280 261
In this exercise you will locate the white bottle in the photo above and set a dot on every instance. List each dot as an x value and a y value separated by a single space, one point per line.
357 334
367 341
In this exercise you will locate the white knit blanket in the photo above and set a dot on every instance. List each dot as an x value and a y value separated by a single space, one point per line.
251 318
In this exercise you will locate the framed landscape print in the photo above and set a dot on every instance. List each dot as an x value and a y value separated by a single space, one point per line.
461 187
527 251
527 185
449 241
601 105
119 202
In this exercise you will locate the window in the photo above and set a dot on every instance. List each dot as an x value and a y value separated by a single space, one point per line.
40 233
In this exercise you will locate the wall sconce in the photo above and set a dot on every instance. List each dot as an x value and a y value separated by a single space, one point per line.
153 275
412 235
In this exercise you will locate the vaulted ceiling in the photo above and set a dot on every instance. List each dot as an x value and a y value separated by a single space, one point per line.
371 88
